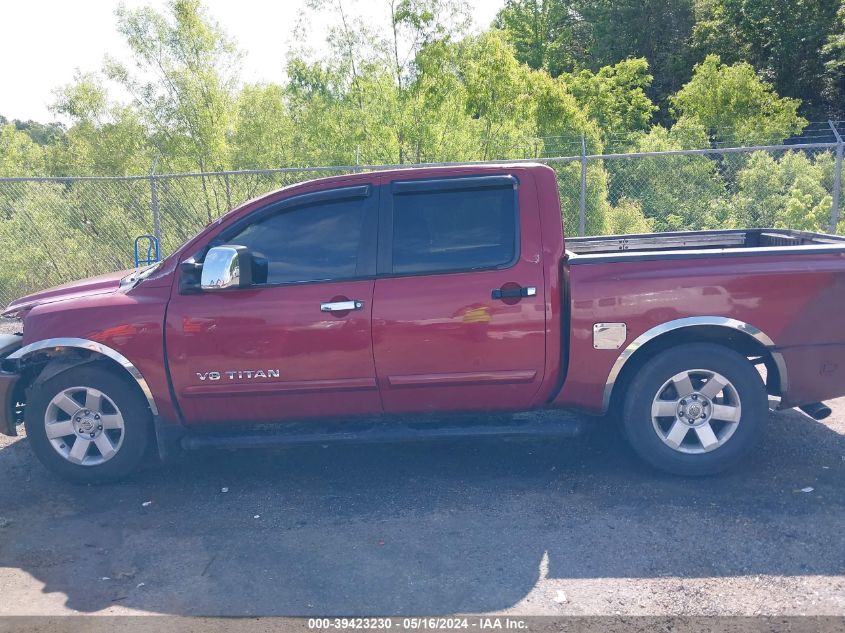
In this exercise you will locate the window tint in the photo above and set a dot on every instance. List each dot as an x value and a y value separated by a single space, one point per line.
453 230
308 243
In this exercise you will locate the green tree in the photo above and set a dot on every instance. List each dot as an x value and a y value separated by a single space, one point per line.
106 138
263 130
187 82
40 133
783 39
547 34
615 97
573 35
692 198
657 30
788 192
19 154
628 217
735 106
834 54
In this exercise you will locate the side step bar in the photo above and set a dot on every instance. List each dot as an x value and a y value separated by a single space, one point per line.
292 434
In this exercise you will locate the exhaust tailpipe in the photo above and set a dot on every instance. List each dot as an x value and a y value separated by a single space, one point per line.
816 410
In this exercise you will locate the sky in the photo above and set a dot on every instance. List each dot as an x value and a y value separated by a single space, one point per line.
44 41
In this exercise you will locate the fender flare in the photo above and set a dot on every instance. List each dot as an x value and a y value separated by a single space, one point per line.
687 322
55 344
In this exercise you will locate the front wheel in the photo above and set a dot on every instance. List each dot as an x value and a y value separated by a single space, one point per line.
88 424
695 409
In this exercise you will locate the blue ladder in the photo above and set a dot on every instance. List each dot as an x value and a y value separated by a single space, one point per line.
152 247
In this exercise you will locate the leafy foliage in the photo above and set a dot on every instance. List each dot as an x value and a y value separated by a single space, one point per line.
734 106
690 198
790 192
19 154
795 45
615 97
783 40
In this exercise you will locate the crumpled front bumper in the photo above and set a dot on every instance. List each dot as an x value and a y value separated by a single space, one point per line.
8 403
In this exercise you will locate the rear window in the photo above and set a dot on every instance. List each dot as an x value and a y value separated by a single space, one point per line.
438 231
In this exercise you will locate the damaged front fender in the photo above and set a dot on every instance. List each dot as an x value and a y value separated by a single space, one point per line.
11 413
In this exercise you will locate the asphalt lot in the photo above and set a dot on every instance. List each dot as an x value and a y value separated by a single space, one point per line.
524 527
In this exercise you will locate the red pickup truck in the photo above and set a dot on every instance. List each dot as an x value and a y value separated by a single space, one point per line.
349 308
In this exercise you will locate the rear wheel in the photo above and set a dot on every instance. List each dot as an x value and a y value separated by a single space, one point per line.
695 409
88 424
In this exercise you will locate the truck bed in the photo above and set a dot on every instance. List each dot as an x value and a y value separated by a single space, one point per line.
748 241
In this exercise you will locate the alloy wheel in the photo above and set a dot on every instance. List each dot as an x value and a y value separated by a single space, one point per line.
84 426
696 411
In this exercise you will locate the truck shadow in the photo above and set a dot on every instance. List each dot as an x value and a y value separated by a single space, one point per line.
465 526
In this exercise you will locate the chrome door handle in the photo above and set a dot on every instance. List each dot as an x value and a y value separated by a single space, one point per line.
341 306
514 293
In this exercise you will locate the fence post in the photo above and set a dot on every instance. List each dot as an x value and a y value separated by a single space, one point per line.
228 191
154 201
582 207
357 158
837 178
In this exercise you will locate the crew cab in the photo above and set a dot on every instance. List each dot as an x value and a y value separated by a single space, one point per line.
427 303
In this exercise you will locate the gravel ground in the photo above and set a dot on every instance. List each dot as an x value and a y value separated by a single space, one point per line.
574 527
9 326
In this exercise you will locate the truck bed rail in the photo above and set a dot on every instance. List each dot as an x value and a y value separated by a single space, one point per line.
758 240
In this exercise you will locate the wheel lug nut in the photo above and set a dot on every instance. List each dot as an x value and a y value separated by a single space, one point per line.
694 397
92 434
97 417
682 402
100 428
703 415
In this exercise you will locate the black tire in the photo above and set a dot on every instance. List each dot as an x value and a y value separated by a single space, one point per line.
648 385
137 422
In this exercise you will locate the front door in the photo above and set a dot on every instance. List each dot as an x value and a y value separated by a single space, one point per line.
299 345
459 305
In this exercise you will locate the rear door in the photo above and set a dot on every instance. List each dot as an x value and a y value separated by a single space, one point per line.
459 306
298 345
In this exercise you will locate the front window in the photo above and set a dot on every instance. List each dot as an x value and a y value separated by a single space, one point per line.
309 243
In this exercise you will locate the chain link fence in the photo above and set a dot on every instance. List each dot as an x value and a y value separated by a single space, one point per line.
55 230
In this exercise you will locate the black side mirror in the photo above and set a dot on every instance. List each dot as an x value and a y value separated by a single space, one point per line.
260 268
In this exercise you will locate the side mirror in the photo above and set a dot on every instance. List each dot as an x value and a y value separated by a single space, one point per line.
226 267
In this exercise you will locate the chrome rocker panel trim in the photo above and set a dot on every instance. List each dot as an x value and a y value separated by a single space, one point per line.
686 322
92 346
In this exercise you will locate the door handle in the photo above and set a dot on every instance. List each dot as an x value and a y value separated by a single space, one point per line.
341 306
514 293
